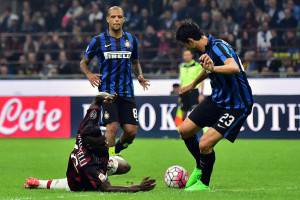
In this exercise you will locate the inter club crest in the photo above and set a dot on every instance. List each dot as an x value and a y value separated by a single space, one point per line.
106 115
127 44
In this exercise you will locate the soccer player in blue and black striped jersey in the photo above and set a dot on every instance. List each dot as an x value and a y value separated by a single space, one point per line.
117 53
224 111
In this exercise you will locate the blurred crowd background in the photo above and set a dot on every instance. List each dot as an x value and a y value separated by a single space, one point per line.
46 38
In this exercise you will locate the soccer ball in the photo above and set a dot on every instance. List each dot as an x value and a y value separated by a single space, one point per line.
176 176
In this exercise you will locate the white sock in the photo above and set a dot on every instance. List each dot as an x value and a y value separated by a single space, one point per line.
43 184
54 184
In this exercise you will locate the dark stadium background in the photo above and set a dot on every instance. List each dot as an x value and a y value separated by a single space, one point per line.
45 39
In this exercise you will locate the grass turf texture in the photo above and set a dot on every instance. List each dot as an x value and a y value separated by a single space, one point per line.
248 169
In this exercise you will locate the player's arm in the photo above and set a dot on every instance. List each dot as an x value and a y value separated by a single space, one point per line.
147 184
137 70
89 54
93 78
136 66
229 67
201 92
222 51
202 76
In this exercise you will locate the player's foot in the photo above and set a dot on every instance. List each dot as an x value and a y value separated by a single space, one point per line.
198 186
31 183
112 152
194 177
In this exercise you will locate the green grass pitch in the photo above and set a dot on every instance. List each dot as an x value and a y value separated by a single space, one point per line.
248 169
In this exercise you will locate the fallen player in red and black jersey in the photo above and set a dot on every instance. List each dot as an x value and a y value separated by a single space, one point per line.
116 166
88 162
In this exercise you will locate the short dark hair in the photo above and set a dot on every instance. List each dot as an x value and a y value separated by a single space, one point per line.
91 130
114 8
93 139
188 29
175 85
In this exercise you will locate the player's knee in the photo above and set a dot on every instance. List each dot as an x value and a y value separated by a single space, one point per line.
181 131
204 146
111 129
131 132
124 169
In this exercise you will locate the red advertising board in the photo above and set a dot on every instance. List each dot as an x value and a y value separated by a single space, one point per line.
35 117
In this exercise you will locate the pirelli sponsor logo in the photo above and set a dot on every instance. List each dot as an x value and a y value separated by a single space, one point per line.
117 55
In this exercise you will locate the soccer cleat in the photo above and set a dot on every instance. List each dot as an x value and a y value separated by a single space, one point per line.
194 177
31 183
198 186
111 151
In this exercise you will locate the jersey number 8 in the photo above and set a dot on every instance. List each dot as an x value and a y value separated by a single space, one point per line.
135 114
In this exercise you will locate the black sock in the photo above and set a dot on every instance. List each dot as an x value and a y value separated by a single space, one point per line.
207 163
192 144
122 145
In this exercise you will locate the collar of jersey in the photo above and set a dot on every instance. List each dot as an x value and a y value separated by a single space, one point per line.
107 32
210 41
189 64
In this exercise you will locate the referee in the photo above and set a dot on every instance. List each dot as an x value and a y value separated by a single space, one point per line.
188 71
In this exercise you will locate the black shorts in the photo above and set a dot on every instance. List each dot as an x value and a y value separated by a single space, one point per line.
122 110
226 122
189 99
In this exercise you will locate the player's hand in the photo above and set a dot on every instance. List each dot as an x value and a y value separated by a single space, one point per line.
106 97
110 98
186 88
201 98
94 79
207 63
144 82
147 184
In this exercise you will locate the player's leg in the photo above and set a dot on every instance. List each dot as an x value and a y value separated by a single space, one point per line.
228 125
128 118
127 137
55 184
205 114
207 159
111 120
117 166
111 131
188 130
184 101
